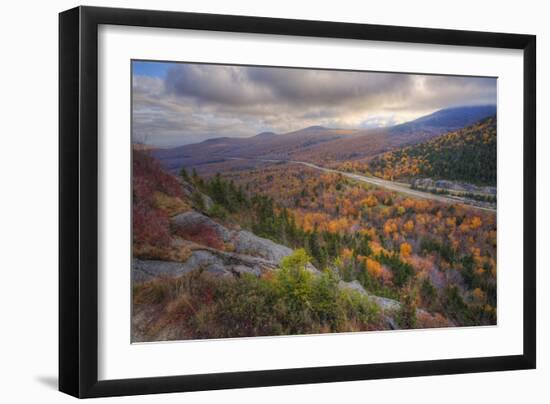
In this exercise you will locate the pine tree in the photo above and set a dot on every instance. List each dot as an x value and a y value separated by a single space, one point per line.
184 175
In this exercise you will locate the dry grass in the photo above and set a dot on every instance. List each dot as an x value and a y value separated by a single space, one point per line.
174 252
171 205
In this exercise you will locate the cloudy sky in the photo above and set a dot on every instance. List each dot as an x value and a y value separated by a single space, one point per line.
181 103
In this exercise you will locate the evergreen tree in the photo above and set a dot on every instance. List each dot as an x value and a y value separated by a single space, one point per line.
407 313
364 246
184 175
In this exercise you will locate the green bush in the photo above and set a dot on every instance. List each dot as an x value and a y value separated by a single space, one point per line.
290 301
217 211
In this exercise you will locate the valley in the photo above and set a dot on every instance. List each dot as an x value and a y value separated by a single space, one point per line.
400 187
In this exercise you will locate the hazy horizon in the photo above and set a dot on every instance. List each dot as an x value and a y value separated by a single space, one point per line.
181 103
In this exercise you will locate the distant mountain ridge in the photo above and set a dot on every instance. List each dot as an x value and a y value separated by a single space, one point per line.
448 119
265 134
323 145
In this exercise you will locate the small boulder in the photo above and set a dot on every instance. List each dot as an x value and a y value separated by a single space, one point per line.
248 243
144 270
353 285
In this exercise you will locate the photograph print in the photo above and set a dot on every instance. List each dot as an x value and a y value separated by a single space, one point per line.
270 201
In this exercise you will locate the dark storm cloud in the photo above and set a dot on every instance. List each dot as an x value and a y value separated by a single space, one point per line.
195 102
219 84
236 85
321 87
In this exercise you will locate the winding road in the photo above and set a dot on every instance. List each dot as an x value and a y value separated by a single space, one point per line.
391 185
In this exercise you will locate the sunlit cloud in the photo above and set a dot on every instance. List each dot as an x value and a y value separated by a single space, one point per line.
175 104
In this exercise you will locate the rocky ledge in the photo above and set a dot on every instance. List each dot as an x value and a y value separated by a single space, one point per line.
250 255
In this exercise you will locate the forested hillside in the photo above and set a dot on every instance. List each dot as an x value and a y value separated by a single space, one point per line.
467 154
442 256
285 249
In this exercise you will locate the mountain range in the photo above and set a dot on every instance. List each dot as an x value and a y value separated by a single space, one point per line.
324 145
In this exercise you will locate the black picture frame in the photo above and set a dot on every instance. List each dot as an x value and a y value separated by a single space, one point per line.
78 201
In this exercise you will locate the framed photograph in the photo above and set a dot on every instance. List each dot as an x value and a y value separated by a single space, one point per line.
251 201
